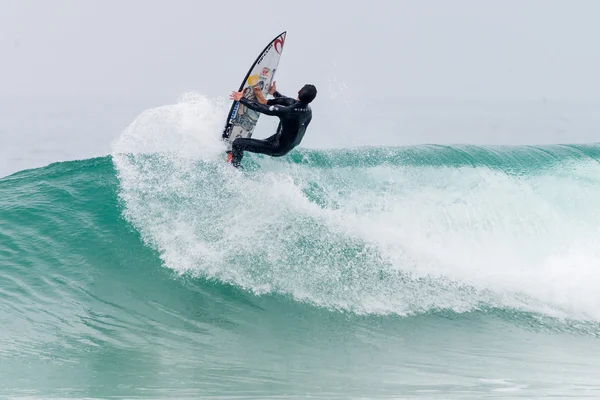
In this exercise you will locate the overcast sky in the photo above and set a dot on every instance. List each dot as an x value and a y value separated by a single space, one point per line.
377 65
474 49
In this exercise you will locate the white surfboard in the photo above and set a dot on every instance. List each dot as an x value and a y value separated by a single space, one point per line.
241 121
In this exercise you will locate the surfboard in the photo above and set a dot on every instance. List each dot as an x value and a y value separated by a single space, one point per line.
241 121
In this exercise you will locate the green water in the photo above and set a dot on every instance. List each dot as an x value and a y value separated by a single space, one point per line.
421 272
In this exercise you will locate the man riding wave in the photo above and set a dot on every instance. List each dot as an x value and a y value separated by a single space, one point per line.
294 116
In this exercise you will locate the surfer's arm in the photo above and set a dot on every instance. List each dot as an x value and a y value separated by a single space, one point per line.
259 95
281 101
275 93
278 96
265 108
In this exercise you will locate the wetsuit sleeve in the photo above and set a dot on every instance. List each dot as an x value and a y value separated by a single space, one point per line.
276 94
281 101
265 108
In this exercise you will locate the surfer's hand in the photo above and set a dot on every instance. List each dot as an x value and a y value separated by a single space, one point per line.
273 88
236 96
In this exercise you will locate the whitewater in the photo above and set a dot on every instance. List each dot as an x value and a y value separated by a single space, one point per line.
375 230
430 271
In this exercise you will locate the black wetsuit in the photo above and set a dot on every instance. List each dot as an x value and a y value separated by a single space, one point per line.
294 117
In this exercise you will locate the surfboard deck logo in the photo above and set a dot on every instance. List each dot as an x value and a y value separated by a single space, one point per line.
241 121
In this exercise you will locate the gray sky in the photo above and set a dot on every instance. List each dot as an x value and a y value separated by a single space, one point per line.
75 73
459 49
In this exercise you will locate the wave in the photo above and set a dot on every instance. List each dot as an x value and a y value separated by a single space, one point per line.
401 231
372 231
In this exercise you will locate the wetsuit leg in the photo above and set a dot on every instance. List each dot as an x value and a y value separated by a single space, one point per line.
253 145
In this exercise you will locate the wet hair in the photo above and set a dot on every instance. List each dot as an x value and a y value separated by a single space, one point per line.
307 93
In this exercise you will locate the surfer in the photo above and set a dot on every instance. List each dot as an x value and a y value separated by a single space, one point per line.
294 116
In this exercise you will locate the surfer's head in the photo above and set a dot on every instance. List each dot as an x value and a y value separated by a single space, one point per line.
307 94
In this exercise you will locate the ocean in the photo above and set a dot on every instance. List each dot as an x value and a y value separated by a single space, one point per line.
425 271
